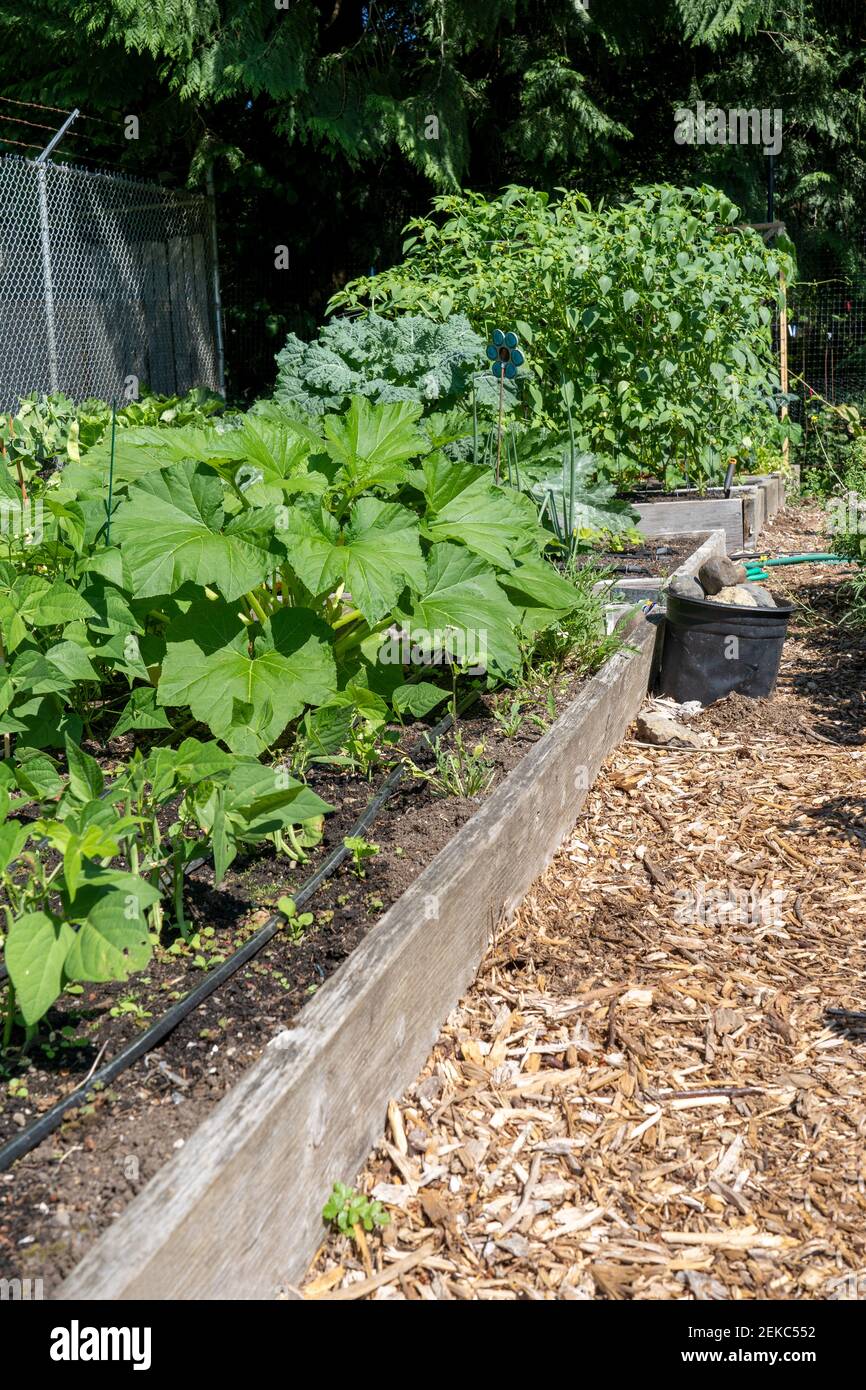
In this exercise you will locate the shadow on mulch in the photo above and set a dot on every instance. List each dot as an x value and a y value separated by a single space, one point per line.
847 1023
846 814
829 669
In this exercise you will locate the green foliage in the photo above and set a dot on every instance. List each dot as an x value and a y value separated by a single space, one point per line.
88 918
579 639
224 591
51 429
80 918
252 574
710 21
361 850
852 593
406 359
318 119
838 437
834 447
346 1208
457 770
657 313
296 922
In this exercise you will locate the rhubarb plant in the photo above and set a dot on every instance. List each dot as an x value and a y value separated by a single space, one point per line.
250 572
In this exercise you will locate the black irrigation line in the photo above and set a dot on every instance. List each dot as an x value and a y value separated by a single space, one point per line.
152 1036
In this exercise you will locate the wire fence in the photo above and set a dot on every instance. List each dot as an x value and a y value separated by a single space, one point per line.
107 284
827 326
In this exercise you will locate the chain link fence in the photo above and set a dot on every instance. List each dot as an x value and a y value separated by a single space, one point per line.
103 278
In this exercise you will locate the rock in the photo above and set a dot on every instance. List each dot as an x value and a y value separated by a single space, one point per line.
720 573
686 586
657 728
735 595
762 596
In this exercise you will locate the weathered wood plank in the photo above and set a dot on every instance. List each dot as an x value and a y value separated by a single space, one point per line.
694 514
239 1209
753 515
774 489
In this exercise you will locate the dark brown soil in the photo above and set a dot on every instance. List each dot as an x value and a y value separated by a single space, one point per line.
652 558
56 1200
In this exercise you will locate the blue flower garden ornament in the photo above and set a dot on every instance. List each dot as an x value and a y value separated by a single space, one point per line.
504 354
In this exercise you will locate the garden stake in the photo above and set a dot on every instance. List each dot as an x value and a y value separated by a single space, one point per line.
499 433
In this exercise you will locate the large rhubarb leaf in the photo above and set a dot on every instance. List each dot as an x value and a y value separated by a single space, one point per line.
493 521
375 555
274 462
147 449
172 529
246 684
372 443
462 594
540 592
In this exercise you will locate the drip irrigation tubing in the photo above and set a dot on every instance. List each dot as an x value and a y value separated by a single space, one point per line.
152 1036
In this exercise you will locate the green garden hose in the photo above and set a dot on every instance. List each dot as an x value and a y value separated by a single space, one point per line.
757 569
814 557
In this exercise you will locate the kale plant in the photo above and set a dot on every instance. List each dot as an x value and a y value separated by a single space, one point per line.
404 359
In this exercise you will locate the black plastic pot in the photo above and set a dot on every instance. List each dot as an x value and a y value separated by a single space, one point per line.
712 649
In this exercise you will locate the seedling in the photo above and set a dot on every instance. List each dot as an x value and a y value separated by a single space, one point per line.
509 718
361 850
296 922
130 1006
349 1210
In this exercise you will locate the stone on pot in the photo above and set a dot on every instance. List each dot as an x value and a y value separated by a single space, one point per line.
686 586
762 596
734 594
720 573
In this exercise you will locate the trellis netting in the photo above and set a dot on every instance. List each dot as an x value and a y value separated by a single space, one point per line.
107 284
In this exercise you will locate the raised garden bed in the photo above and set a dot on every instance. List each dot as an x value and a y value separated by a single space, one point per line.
775 486
238 1209
623 592
50 1209
741 515
655 557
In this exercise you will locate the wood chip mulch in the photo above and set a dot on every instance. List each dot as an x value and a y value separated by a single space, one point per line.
656 1087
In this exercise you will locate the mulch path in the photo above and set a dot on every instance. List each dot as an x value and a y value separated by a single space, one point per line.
645 1094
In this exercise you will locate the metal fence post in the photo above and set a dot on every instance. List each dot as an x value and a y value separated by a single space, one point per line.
45 238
